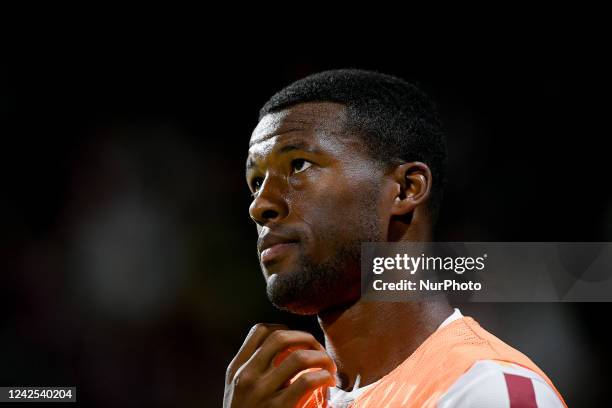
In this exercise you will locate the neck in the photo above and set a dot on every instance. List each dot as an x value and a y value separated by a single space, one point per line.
394 331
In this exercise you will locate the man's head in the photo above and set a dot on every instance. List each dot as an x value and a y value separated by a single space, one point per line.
339 158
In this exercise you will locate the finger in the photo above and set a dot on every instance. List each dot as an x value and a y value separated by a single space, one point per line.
276 342
299 391
252 342
297 362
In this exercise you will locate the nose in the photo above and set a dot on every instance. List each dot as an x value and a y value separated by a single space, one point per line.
269 204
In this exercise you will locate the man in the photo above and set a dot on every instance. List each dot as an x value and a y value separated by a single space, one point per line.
339 158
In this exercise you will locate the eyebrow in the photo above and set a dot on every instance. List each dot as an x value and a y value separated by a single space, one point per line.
298 145
291 146
250 164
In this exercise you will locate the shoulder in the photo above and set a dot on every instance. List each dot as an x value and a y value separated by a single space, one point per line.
492 384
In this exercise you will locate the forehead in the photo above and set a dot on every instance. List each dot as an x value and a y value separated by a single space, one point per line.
314 120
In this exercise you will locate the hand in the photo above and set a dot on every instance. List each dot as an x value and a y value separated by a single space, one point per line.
257 377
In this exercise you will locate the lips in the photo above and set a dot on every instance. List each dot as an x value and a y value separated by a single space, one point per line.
276 251
273 246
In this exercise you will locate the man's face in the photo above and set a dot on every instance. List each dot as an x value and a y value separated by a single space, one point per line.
316 198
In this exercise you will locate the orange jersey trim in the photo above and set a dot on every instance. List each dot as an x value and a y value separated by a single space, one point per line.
422 379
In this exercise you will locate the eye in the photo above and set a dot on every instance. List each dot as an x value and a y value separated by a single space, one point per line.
256 183
299 165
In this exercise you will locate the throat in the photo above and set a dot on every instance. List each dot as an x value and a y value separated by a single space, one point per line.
368 340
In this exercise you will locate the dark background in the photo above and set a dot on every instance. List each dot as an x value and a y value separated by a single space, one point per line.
128 257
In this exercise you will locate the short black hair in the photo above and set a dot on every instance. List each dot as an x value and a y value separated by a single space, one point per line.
395 119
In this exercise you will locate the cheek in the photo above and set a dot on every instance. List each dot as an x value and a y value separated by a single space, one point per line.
320 205
337 214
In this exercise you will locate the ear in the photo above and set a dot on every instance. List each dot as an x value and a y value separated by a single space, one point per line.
413 187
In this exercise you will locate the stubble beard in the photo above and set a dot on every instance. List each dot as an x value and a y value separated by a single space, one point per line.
312 287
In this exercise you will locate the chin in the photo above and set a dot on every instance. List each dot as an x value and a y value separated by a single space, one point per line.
306 287
309 300
299 309
286 293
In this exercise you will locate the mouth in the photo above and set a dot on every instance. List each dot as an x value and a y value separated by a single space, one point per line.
275 252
